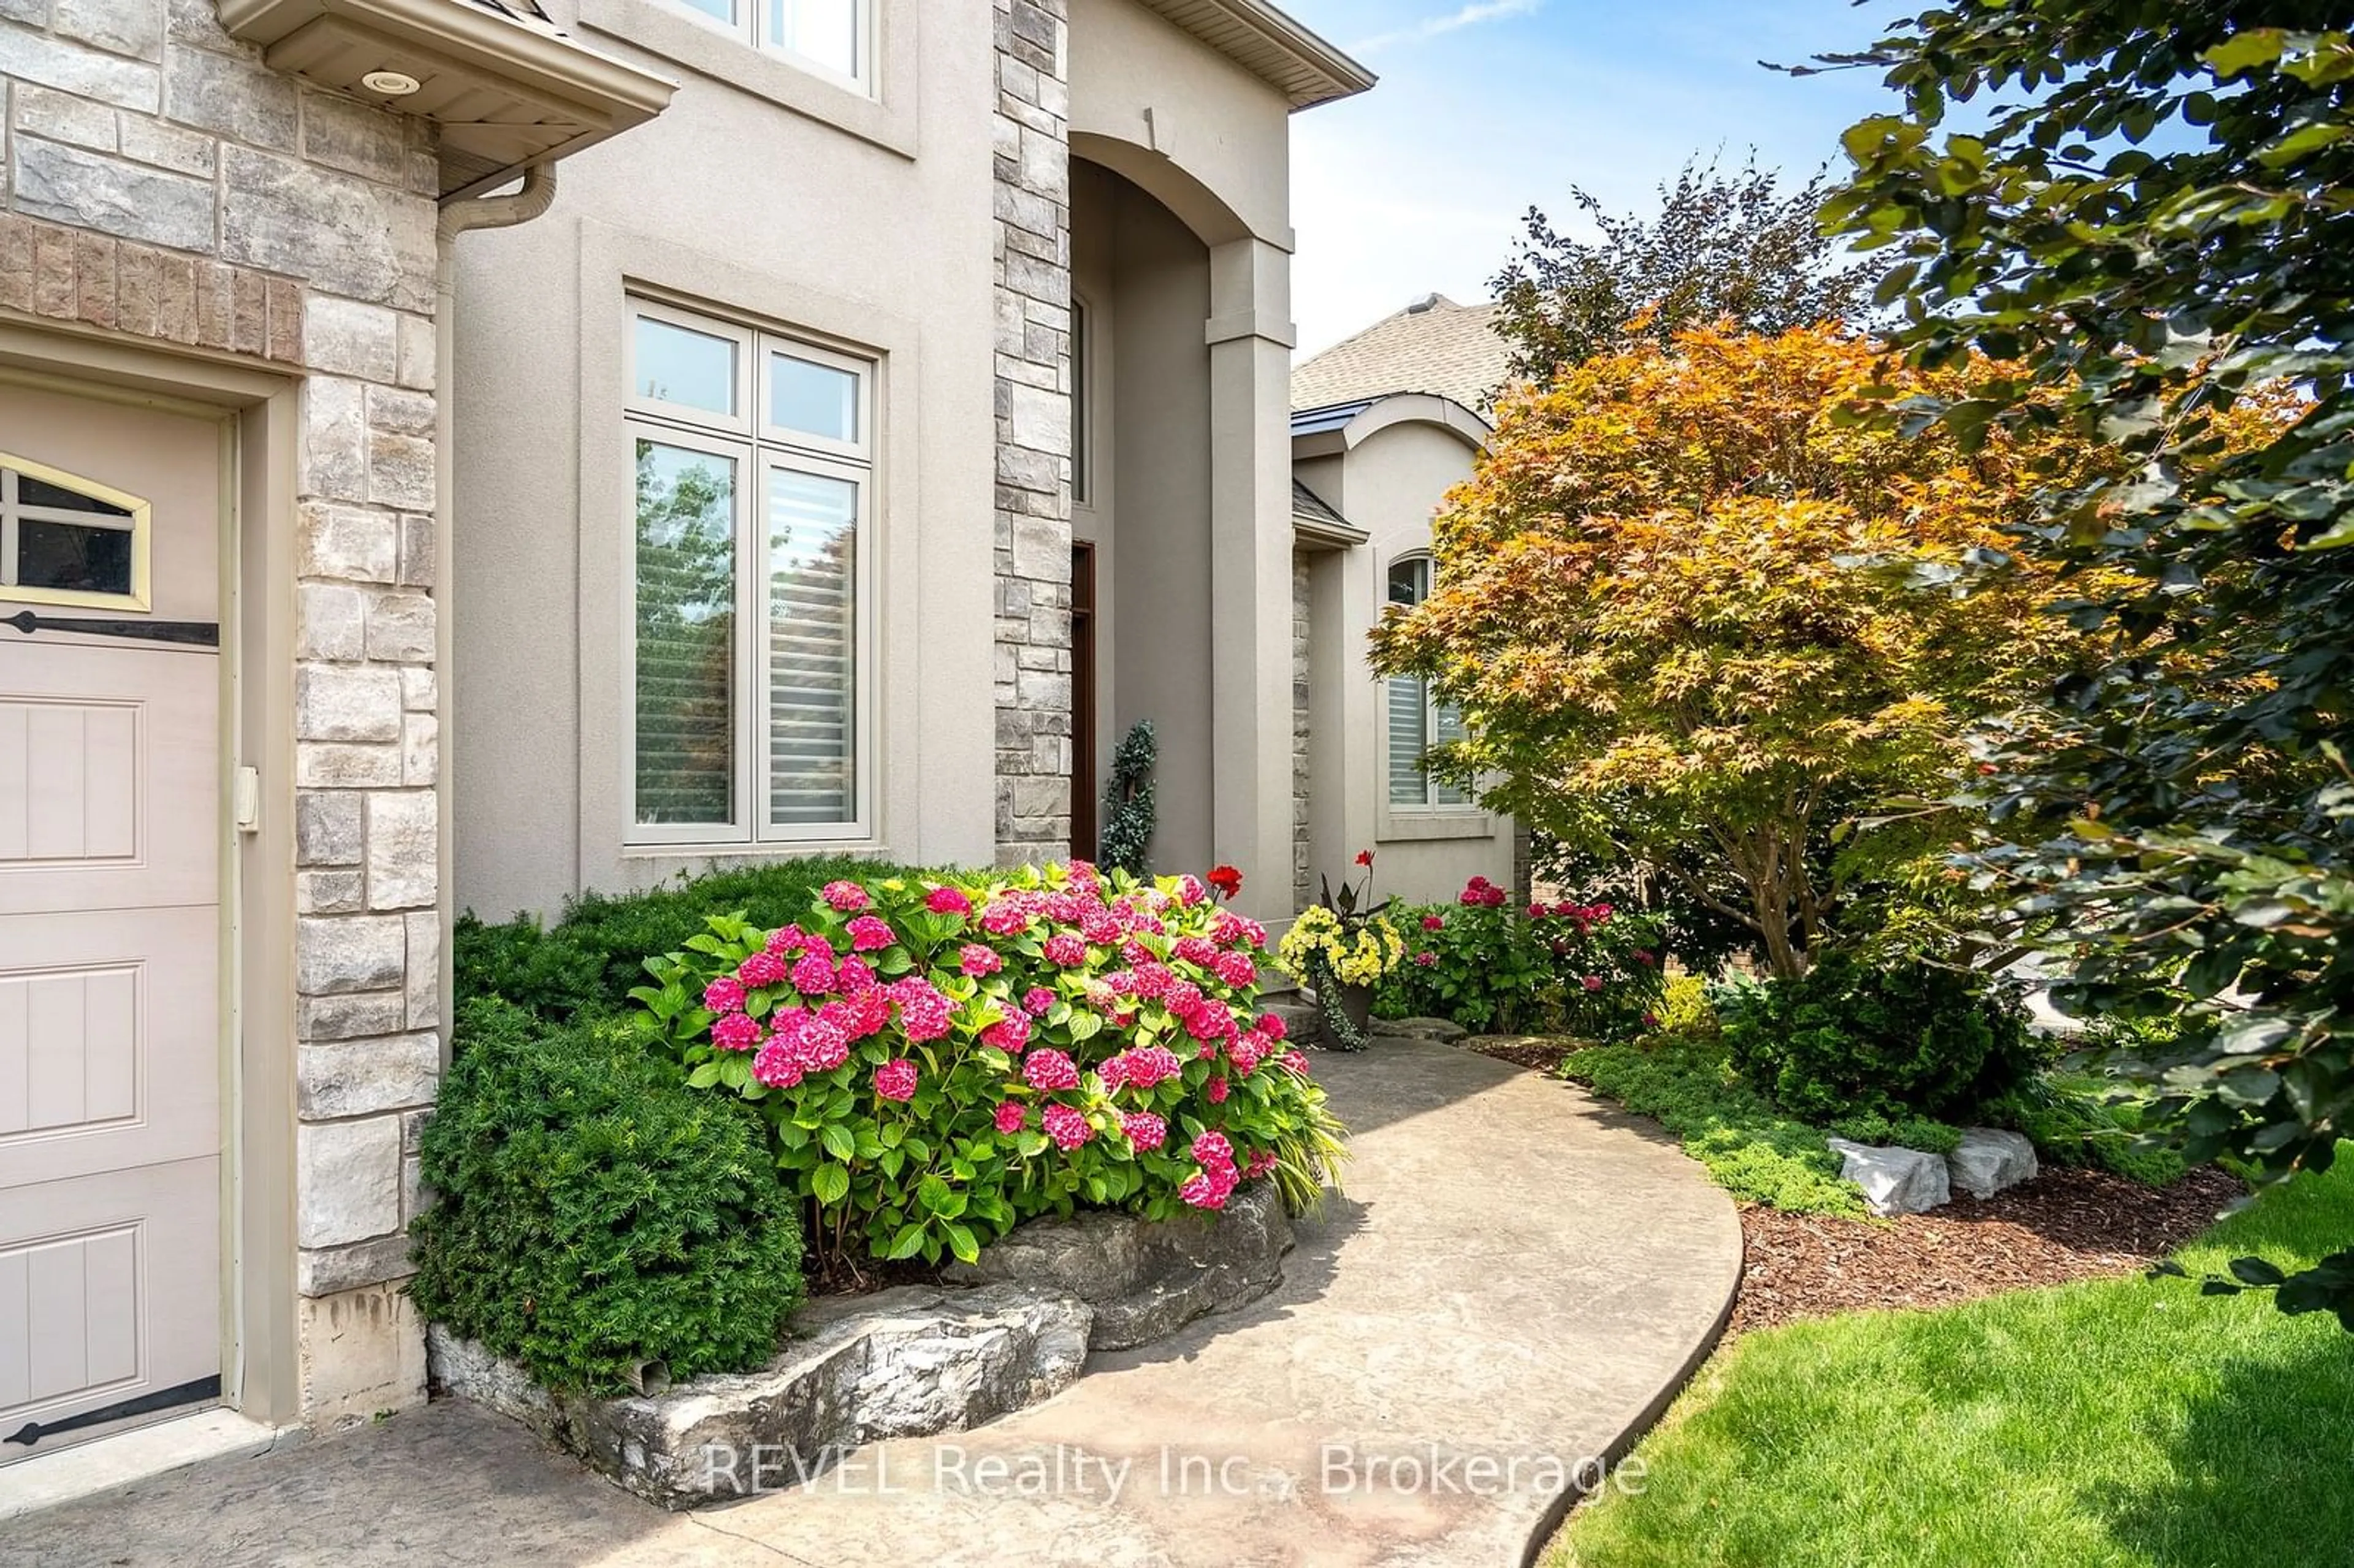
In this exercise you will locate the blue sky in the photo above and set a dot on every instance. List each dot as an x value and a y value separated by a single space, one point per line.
1487 106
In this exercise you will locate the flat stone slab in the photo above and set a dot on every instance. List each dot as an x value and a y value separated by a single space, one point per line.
912 1362
1894 1180
1146 1279
1519 1273
1990 1159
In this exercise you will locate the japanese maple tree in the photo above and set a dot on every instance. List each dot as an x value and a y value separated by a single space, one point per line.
1695 607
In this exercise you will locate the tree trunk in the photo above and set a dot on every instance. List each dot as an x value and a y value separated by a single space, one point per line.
1783 955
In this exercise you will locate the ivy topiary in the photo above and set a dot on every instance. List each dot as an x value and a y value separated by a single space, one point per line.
1125 842
594 1213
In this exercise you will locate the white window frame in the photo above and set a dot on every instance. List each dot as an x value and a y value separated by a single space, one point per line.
751 28
757 447
1083 397
1429 805
139 525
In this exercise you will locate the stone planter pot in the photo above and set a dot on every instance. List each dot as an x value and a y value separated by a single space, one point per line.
1356 1004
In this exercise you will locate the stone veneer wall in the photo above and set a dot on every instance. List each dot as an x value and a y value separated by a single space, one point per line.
164 183
1032 199
1303 878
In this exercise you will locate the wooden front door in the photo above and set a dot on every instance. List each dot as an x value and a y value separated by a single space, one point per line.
110 942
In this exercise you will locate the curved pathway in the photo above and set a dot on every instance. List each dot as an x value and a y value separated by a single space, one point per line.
1515 1283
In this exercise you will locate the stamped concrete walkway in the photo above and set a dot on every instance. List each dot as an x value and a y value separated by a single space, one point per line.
1517 1280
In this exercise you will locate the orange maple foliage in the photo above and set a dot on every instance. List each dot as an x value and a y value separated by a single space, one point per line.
1690 598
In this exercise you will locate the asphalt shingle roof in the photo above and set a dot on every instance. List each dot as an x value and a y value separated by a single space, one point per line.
1306 503
1434 345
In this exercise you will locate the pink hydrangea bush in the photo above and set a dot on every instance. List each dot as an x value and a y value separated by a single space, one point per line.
940 1061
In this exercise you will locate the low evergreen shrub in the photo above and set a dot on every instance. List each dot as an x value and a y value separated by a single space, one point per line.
1899 1132
2080 1120
1750 1149
1897 1039
593 1213
588 960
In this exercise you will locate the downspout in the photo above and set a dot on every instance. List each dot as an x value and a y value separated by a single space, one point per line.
528 201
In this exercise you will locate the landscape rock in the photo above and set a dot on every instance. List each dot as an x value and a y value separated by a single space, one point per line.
1894 1180
1146 1279
901 1363
1443 1030
1990 1159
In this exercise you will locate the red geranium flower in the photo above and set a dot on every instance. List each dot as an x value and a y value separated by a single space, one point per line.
1227 880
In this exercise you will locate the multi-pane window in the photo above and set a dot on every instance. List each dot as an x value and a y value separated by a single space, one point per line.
833 36
65 540
1418 721
754 457
1082 412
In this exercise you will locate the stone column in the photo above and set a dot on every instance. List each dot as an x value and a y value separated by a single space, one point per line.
1032 196
1250 336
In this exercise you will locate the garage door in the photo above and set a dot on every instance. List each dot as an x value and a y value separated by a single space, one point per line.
110 944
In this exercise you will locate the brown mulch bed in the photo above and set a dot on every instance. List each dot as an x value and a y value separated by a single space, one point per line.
2063 1225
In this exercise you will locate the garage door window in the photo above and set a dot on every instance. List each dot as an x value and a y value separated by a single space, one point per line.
68 540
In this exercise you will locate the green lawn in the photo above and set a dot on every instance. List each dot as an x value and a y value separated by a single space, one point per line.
2122 1422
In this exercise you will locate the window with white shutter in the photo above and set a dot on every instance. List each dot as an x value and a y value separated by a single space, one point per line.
752 627
1416 720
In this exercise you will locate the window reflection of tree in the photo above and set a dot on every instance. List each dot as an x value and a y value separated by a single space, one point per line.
686 636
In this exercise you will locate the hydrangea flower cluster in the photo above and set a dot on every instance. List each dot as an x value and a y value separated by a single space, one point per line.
1481 894
1566 967
941 1058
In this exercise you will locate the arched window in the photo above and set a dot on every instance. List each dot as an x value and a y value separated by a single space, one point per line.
66 540
1418 721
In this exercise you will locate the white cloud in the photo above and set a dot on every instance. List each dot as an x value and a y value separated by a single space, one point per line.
1470 15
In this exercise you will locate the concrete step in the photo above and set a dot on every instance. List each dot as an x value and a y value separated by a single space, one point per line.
1302 1022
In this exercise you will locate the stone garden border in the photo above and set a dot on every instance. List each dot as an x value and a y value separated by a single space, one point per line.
1012 1331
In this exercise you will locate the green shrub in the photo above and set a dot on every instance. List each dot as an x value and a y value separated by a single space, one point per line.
1901 1132
1750 1149
2080 1120
940 1058
1582 970
1902 1038
1685 1008
588 960
594 1213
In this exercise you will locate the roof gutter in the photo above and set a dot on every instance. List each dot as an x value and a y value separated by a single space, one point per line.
1307 68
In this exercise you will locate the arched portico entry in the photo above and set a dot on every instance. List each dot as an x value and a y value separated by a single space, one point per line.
1180 515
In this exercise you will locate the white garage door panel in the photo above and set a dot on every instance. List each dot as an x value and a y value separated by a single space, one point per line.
107 1029
79 1282
109 792
111 933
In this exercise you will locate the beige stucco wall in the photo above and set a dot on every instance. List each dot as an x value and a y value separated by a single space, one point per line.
1147 277
1207 288
1210 138
1390 483
875 225
747 207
